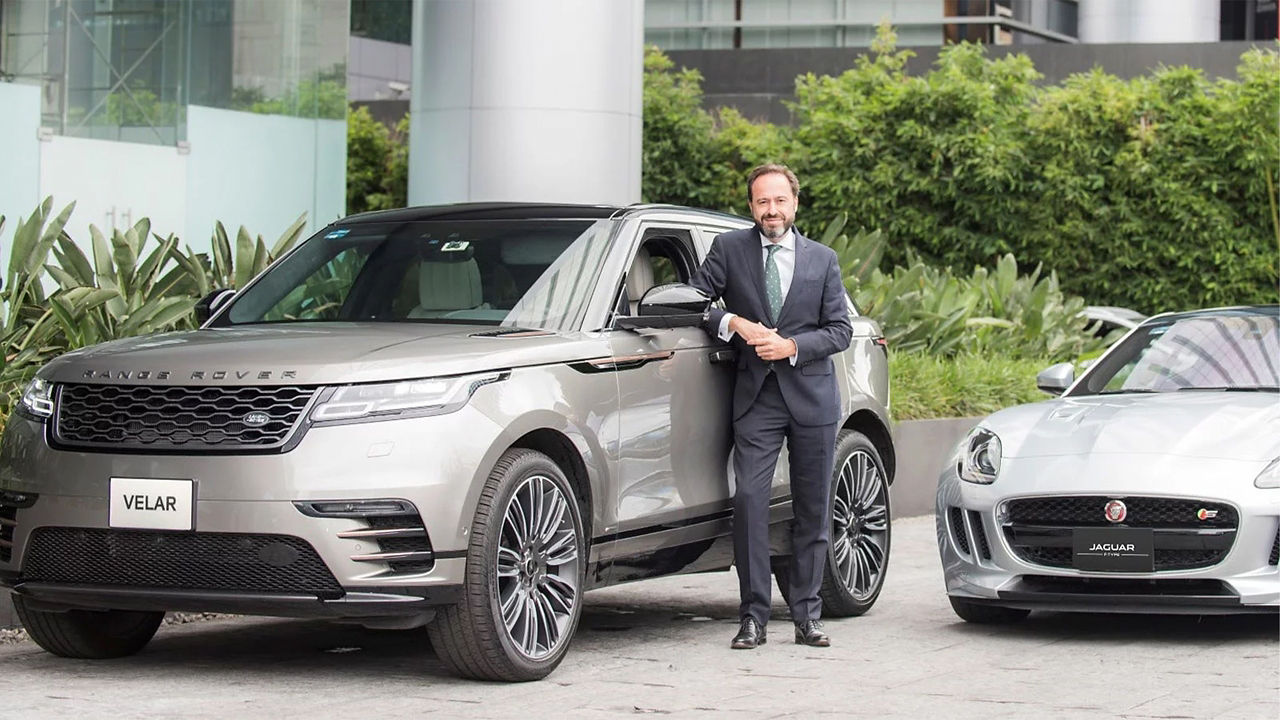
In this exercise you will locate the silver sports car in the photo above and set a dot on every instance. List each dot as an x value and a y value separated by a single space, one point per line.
1151 485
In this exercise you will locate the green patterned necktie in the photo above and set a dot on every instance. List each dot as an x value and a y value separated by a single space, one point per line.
773 283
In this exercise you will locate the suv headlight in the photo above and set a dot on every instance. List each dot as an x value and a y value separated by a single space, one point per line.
980 457
37 400
408 398
1269 477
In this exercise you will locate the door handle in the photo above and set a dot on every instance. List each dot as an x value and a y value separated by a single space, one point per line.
726 355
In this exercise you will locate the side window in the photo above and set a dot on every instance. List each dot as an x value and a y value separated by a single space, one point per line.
666 255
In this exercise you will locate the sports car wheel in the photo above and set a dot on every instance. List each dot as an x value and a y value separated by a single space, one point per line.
986 614
88 634
525 571
858 556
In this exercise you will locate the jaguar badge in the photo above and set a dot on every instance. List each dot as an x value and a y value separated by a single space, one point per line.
1115 511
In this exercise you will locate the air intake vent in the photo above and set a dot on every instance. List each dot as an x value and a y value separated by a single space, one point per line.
1275 550
9 521
979 534
956 520
191 419
402 541
10 503
182 561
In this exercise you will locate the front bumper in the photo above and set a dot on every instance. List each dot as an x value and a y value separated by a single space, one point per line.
980 565
258 496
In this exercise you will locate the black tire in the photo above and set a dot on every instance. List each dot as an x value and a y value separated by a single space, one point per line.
474 638
847 592
984 614
88 634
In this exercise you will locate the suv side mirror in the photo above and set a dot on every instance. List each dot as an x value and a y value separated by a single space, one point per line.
669 306
1055 379
210 304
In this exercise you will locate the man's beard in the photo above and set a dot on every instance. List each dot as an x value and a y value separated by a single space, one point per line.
777 232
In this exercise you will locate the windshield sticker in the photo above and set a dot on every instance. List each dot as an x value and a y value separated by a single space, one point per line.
337 234
455 246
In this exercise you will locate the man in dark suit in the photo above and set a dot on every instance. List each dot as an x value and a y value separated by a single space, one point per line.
786 313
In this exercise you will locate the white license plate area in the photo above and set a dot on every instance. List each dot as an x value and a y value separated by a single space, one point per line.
148 504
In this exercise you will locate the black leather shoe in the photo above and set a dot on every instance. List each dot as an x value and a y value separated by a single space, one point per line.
809 632
750 634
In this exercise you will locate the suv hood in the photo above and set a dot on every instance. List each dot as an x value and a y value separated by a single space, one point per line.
332 353
1193 424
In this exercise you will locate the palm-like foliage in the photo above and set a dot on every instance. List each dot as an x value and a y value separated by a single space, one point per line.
132 283
927 309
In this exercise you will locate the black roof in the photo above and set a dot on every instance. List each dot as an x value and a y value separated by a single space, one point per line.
517 211
485 211
1237 310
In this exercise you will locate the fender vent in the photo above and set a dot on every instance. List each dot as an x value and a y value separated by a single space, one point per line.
979 534
955 516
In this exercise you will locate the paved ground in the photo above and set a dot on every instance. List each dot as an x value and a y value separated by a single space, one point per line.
661 648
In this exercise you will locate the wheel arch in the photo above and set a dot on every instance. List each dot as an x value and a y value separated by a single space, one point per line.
557 446
870 424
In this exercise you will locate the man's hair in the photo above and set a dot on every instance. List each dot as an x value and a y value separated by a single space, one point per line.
768 169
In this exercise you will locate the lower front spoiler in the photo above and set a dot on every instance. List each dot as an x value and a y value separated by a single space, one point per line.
1178 597
368 603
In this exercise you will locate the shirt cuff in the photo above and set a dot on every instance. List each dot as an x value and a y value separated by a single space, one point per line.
725 333
795 357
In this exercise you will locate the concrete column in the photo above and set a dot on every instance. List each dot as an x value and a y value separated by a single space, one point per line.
1149 21
526 100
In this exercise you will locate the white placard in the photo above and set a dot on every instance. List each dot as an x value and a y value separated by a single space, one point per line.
152 504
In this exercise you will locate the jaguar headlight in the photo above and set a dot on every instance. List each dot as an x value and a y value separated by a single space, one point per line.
1269 477
37 400
408 398
980 457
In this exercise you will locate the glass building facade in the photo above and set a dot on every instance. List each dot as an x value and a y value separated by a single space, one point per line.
724 24
128 69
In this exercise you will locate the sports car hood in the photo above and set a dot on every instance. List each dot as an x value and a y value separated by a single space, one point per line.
1194 424
331 353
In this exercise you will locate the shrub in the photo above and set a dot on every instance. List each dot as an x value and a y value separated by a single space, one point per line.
932 310
927 386
377 163
1157 193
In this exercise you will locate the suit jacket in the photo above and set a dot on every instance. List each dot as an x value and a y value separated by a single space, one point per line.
815 314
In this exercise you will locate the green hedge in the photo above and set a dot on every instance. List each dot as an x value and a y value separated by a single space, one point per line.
926 386
1156 193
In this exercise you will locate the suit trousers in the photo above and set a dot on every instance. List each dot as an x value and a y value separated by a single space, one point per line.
758 436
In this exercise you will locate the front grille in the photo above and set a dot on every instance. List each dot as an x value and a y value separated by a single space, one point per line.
1039 530
1275 550
231 562
1152 512
144 417
956 518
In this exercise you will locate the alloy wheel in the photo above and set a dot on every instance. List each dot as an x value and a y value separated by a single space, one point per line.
860 525
537 567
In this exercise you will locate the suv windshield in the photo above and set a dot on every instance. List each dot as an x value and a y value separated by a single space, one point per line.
1239 351
524 273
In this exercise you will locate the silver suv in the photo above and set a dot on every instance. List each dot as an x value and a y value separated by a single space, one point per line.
457 417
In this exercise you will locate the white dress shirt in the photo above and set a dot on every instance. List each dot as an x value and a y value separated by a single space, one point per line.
785 259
